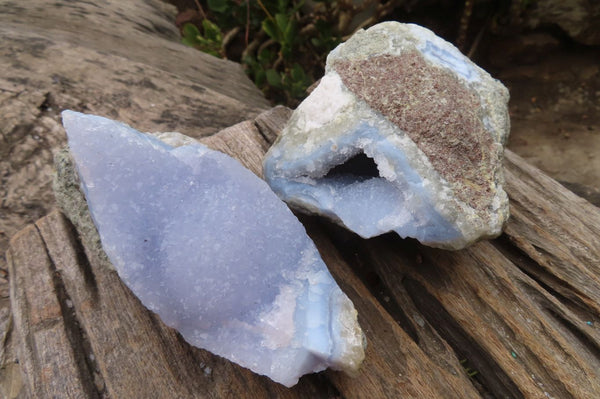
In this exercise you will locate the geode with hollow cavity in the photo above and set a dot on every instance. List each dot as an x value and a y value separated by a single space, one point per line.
205 244
403 133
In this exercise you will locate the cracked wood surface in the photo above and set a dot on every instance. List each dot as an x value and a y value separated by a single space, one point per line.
515 317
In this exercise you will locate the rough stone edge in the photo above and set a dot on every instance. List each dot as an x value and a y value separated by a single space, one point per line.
71 200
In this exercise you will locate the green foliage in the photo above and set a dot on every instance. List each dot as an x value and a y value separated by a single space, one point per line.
294 81
285 42
219 6
324 39
210 42
284 30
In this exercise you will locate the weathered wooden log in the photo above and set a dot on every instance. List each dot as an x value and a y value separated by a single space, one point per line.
514 317
118 59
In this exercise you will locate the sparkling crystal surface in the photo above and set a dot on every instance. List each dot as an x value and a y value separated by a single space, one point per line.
432 123
210 248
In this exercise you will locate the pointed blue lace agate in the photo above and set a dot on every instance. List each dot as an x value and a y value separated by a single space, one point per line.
209 247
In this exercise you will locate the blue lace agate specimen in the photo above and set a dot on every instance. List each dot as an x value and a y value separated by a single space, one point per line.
403 134
210 248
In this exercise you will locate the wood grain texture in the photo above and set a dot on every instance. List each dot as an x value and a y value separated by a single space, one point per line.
515 317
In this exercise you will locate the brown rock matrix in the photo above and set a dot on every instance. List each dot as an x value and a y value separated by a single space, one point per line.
437 111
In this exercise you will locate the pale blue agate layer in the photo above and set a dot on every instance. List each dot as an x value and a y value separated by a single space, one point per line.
450 58
362 205
210 248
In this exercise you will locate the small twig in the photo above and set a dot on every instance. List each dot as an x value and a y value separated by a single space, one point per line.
200 9
381 11
278 61
385 9
344 20
362 6
247 34
229 36
308 29
363 24
260 3
464 24
476 42
266 44
253 44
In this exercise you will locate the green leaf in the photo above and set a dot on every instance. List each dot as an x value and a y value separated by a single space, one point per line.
249 61
260 77
190 31
204 42
218 5
282 22
286 50
266 56
212 31
282 5
273 78
289 34
297 73
297 7
270 29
